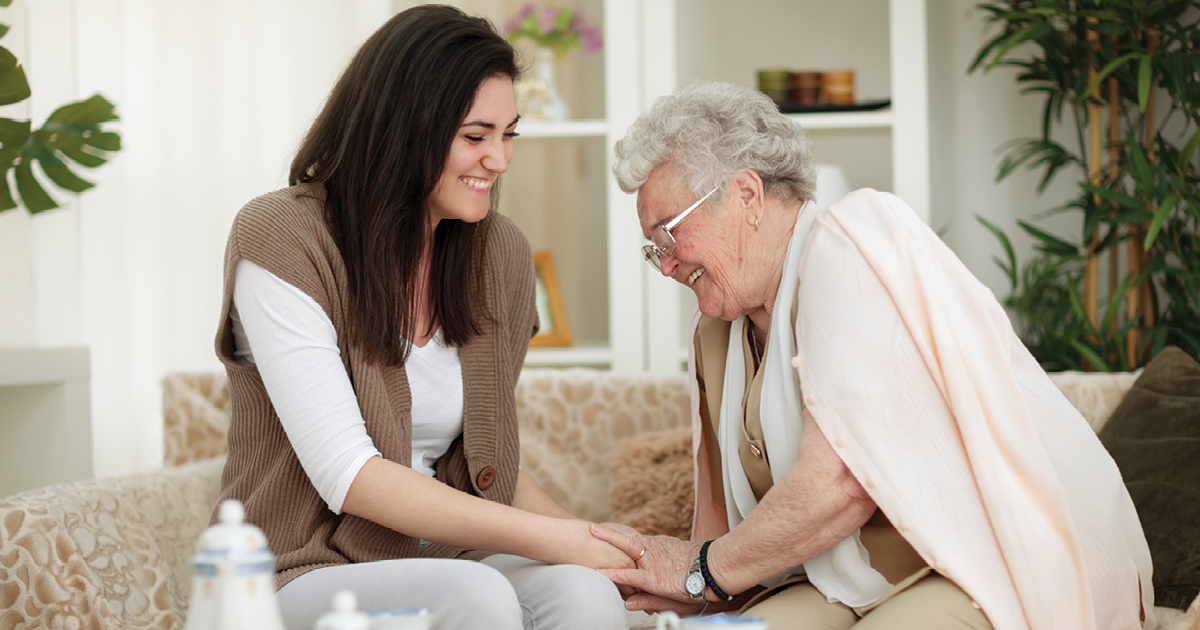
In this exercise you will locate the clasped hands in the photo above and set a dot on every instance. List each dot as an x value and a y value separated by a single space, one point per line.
656 582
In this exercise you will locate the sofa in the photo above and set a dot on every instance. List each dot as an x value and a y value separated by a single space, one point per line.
107 554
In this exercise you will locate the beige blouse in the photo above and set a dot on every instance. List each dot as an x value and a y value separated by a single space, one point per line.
889 553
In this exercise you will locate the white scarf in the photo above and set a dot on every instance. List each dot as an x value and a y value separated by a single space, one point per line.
843 573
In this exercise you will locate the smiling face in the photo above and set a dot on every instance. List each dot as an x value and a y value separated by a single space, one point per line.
710 243
480 152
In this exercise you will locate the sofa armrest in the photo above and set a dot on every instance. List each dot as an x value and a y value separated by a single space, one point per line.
111 554
196 413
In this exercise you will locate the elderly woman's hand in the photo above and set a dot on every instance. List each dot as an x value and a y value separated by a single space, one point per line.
662 566
589 551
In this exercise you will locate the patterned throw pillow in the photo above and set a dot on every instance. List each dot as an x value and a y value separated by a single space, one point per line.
651 486
1154 436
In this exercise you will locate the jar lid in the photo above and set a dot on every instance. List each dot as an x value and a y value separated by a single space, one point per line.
232 539
345 614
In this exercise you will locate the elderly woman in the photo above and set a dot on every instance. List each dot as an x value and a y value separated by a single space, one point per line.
873 445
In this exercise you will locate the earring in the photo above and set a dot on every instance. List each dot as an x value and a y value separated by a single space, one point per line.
756 223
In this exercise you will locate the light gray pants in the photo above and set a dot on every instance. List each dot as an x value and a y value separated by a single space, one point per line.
503 592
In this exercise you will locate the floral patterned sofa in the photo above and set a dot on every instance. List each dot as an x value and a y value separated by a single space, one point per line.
111 554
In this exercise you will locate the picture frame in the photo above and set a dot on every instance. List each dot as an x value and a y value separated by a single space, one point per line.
554 331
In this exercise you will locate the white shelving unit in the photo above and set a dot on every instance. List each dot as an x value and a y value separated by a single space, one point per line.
567 129
845 120
45 417
643 42
580 355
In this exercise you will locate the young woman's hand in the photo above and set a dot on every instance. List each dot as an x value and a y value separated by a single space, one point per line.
584 549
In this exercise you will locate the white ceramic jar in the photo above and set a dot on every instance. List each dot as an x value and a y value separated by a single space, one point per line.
233 577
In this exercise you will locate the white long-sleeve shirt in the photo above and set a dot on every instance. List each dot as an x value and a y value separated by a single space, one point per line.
291 340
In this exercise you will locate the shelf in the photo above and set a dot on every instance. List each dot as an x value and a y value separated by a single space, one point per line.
844 120
590 356
595 127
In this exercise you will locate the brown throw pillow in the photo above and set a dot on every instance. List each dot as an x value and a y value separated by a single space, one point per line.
1154 436
651 485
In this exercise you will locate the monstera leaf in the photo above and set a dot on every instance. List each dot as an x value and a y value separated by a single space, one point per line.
73 133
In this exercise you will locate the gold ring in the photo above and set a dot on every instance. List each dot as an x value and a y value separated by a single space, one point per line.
640 555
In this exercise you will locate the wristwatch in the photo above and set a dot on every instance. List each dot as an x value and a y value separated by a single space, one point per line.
694 584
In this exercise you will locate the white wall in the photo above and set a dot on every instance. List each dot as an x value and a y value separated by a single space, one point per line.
213 97
971 117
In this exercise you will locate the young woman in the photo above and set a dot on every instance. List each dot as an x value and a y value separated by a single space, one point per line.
375 320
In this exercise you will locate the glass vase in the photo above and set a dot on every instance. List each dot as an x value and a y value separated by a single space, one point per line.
537 94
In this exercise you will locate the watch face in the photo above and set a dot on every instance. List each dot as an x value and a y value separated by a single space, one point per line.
694 584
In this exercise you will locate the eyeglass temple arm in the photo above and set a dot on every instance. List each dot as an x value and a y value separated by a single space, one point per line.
677 219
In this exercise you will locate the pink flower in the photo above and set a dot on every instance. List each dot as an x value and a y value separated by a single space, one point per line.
590 38
547 20
560 29
514 24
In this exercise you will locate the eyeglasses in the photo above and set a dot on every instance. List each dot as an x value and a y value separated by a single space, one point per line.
663 244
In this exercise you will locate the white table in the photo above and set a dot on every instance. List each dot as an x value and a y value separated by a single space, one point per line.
45 417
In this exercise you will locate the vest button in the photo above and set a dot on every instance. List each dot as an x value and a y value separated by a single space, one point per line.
486 478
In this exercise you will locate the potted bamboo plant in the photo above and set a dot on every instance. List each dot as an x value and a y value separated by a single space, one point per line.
1121 83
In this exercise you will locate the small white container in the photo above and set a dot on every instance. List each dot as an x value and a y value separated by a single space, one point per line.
401 619
345 614
233 577
670 621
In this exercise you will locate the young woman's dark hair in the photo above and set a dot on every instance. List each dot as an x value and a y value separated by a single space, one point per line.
379 146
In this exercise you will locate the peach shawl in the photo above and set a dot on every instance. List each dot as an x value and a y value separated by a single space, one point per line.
912 371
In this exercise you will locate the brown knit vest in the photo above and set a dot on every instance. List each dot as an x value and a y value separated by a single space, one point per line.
285 233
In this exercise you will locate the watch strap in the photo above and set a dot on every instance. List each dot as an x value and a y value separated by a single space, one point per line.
708 578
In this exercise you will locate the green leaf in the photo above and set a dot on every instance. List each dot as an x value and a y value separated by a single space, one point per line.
4 3
13 133
32 194
87 113
14 88
1164 209
1049 243
1113 196
1114 303
983 54
64 178
1107 70
1138 167
1099 364
6 199
1160 341
105 141
1189 149
1194 207
54 168
3 32
1080 312
1030 31
1010 268
1145 74
77 154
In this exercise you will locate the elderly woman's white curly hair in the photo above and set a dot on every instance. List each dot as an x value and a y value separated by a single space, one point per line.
715 131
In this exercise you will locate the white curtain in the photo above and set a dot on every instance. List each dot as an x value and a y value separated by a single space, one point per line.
213 97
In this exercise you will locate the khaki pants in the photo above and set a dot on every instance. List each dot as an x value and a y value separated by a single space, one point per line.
933 603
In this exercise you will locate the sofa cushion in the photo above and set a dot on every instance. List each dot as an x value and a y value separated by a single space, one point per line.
572 422
1154 436
1094 394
